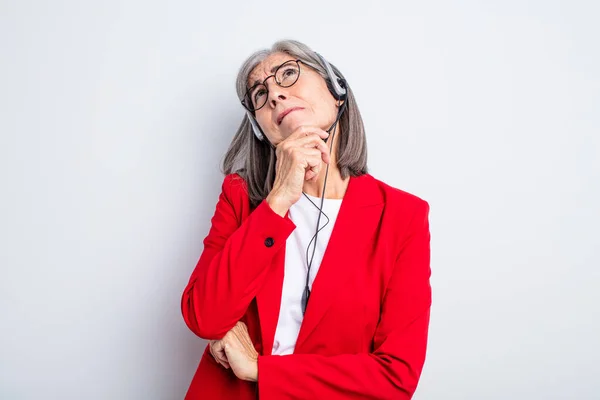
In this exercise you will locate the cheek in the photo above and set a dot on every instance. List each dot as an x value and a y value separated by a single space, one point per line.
323 104
266 124
263 116
326 112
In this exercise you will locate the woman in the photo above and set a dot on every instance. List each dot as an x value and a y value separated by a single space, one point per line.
346 318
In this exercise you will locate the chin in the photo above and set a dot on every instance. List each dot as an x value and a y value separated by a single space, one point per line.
292 125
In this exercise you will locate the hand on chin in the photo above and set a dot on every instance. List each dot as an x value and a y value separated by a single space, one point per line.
291 123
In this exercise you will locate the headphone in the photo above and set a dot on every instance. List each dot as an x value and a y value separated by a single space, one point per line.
338 88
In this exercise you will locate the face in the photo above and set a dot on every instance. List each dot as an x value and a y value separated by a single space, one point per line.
309 97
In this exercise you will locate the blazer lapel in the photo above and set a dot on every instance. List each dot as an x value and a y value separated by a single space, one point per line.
354 227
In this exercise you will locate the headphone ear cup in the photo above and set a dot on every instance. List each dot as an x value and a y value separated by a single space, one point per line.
334 93
342 84
330 87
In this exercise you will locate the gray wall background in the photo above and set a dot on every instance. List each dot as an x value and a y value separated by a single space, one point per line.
114 116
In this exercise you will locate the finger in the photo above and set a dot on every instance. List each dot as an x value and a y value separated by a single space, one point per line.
220 354
324 153
317 143
307 130
218 359
311 154
311 140
310 159
313 166
212 347
212 351
223 361
223 364
311 175
316 134
227 349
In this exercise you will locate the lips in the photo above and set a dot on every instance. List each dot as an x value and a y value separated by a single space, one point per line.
286 112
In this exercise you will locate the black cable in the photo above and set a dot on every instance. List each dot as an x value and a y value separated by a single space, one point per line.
306 293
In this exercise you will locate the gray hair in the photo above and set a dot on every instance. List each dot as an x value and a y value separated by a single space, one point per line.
255 160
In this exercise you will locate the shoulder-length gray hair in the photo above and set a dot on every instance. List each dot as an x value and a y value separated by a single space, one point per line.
254 160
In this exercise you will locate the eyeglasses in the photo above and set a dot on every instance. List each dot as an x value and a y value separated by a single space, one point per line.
285 76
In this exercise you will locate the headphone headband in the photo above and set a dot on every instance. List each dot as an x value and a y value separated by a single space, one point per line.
337 84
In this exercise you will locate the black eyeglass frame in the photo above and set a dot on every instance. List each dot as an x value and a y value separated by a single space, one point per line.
247 97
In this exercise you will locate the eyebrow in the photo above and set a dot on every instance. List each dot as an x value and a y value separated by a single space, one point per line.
256 82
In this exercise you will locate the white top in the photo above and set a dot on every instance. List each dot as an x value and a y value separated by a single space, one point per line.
304 214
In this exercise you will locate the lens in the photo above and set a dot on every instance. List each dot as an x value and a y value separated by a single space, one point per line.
287 74
258 96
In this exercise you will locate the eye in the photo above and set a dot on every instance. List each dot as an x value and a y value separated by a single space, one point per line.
289 72
258 94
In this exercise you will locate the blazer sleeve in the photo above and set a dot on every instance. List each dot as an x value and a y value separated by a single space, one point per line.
234 262
393 369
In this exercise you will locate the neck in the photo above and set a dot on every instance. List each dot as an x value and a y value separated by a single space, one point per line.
336 186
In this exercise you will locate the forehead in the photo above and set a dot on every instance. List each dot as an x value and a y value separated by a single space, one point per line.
267 67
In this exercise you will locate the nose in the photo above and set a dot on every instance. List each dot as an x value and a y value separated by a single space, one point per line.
276 93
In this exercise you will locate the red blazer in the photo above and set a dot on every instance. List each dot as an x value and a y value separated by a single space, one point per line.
364 334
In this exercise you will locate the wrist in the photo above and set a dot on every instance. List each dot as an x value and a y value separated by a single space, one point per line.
277 205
